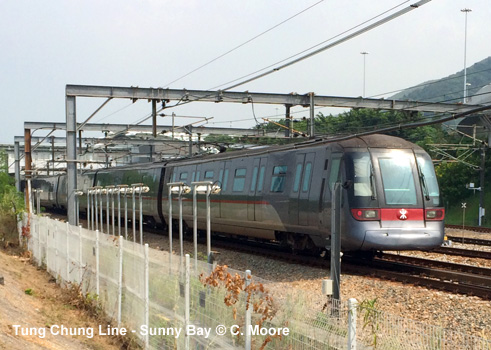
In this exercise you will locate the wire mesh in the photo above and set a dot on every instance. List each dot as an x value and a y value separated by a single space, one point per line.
384 331
115 276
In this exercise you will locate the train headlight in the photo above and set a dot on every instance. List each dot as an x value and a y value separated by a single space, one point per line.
366 214
435 214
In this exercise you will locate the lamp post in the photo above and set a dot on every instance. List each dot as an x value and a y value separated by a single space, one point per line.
364 53
466 11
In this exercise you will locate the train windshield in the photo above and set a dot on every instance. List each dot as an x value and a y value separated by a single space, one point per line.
363 175
428 179
398 179
361 180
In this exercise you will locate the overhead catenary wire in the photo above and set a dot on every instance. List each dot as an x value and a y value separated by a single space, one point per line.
331 45
244 43
346 38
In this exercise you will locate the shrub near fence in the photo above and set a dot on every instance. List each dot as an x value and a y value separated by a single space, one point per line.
157 296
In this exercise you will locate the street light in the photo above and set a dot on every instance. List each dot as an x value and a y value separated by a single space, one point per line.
364 53
466 11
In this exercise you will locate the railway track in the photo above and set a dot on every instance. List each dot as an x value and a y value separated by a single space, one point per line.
451 277
470 228
476 241
456 278
468 253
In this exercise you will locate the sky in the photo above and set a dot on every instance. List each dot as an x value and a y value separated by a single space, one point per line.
46 45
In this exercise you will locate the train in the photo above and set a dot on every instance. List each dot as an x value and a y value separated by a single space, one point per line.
390 199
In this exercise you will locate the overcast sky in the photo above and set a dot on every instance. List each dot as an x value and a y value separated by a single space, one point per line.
151 43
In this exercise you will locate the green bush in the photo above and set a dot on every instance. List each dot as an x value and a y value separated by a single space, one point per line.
11 206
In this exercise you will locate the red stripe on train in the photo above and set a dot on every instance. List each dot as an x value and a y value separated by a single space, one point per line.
401 214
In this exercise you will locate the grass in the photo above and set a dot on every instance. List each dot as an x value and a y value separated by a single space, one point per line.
454 213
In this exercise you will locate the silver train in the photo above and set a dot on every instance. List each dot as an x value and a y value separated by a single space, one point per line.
390 195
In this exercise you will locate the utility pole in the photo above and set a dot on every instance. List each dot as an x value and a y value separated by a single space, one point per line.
364 53
466 11
288 121
481 194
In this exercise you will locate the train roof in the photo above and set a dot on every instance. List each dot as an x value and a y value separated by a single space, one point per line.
371 141
378 141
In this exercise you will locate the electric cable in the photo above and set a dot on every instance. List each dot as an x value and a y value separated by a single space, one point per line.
244 43
331 45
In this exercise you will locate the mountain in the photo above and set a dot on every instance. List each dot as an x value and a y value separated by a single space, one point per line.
450 89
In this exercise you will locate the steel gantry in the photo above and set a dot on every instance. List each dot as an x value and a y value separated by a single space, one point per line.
155 95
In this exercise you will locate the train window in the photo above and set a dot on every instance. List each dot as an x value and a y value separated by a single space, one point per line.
298 175
261 179
197 175
278 178
239 180
363 166
183 177
306 177
398 180
428 178
254 179
209 175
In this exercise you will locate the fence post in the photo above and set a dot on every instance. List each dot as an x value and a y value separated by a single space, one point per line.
112 208
187 303
352 306
133 222
108 192
120 280
96 211
88 209
56 268
80 264
39 243
67 252
101 208
140 202
47 245
126 213
147 301
97 261
248 279
195 228
169 225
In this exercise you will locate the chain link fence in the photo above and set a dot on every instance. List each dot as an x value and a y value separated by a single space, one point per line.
168 303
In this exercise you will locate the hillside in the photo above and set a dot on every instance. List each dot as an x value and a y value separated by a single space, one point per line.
450 88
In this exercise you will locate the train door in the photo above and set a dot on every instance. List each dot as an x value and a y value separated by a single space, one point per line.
254 206
298 208
222 206
304 190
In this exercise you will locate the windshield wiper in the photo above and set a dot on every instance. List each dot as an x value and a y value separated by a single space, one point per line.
372 183
423 183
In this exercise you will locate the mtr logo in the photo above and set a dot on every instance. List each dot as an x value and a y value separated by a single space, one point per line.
403 214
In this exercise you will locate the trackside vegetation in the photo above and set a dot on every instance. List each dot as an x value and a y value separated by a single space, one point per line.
11 206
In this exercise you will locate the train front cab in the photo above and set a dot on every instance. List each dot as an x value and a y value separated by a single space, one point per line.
393 201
